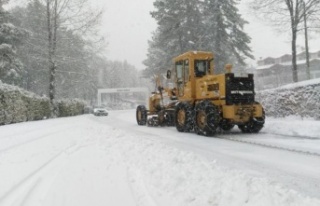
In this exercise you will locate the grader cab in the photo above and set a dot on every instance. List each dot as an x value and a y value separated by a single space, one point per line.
202 101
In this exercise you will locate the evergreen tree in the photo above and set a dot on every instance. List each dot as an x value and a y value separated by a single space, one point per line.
34 53
224 33
157 59
184 25
178 31
11 68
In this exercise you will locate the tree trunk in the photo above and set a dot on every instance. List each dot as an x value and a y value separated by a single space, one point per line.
294 24
52 86
217 45
294 55
306 40
52 39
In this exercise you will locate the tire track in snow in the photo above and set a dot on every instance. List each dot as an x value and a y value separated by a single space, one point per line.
226 136
294 136
256 143
32 180
28 130
34 139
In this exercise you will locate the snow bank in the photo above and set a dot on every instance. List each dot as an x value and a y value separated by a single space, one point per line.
163 175
302 99
293 126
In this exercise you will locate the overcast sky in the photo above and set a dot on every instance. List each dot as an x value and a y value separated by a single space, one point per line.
128 26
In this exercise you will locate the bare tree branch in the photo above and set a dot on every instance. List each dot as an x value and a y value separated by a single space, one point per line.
286 14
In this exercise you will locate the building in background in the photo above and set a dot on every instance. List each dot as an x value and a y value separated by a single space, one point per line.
275 72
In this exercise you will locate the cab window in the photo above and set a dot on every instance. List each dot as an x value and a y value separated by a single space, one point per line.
186 71
179 70
201 67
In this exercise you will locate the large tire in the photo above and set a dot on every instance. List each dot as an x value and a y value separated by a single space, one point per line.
141 115
184 117
225 125
254 125
161 118
206 118
169 118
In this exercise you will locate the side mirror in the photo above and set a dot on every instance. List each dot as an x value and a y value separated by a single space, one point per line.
168 74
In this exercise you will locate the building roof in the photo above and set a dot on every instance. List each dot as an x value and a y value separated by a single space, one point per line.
266 63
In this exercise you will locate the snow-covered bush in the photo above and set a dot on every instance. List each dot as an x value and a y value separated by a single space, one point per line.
18 105
38 108
302 99
70 107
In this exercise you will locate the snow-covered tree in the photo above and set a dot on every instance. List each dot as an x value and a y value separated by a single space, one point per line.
73 52
224 33
34 53
11 68
115 74
178 31
58 17
185 25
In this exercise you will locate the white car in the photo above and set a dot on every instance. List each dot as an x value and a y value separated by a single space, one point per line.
100 112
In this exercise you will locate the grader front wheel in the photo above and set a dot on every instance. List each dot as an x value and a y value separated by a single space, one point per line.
184 115
141 115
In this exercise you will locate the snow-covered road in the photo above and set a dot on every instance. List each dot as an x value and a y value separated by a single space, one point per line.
88 160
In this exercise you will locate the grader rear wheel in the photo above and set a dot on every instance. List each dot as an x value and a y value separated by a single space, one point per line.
206 118
254 125
201 119
225 125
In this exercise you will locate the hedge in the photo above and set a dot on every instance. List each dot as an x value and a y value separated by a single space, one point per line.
18 105
300 99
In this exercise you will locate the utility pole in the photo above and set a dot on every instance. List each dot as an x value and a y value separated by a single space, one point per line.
306 40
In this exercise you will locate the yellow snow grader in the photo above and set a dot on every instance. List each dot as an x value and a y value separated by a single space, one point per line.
201 101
